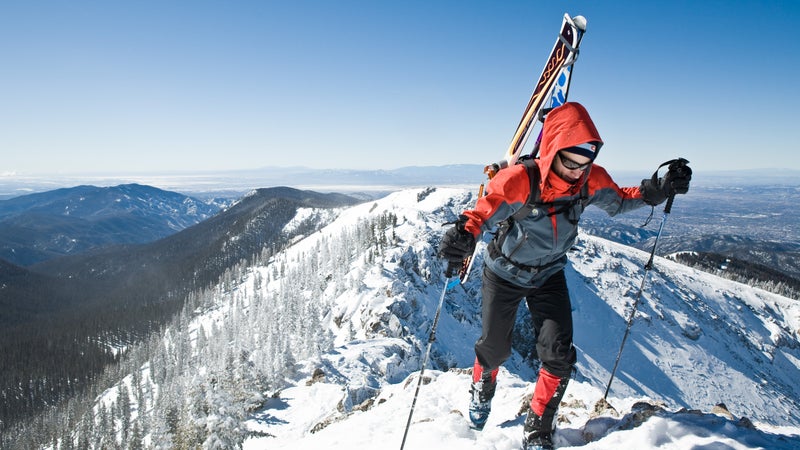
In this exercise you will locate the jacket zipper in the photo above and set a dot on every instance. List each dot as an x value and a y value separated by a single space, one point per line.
519 244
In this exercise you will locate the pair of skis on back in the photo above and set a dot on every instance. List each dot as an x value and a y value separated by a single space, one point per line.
550 91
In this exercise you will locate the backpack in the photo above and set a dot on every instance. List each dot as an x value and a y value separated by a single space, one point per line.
534 201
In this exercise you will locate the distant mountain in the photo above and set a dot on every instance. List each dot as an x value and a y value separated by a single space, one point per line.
38 227
371 181
84 308
125 276
354 180
197 255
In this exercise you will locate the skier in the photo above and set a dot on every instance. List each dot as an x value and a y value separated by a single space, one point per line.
527 255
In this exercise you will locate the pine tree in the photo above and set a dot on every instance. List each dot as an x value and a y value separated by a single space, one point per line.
124 414
136 441
85 432
223 423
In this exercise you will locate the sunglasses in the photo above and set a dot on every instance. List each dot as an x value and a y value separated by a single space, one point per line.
572 165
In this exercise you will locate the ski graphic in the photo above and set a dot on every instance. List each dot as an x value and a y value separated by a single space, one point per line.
552 87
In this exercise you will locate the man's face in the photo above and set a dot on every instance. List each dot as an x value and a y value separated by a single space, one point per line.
570 166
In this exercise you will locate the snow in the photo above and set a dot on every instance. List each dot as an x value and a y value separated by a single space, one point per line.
439 421
304 215
697 341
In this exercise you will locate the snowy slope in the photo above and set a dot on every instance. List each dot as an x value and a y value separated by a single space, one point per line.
440 421
698 340
321 346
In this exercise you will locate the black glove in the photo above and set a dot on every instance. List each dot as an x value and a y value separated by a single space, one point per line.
456 245
676 181
678 177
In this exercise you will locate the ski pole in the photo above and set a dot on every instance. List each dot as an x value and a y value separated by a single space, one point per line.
452 281
453 278
647 268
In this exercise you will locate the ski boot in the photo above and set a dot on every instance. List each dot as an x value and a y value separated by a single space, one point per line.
481 393
535 436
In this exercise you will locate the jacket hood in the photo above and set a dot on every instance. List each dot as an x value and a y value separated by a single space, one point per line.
567 126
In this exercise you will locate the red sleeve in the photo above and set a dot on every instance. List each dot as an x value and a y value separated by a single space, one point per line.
506 193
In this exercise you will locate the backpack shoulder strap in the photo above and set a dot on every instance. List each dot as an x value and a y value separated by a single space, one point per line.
534 197
585 193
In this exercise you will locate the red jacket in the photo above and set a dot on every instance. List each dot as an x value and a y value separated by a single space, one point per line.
535 247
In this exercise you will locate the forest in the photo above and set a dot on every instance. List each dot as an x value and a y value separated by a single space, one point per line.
70 355
252 345
746 272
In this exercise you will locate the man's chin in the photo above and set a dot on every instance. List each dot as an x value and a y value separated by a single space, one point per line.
569 179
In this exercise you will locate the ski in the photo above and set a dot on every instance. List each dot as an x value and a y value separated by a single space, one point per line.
550 91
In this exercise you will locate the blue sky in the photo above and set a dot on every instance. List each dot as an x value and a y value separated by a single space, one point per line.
158 86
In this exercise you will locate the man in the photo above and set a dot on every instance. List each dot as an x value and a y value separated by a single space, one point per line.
526 258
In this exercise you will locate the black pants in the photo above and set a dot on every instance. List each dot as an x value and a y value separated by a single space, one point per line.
552 319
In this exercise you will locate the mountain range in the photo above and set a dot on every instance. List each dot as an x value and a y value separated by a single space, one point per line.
68 318
352 181
320 345
41 226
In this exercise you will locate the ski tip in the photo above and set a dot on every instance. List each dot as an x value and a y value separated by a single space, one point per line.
580 22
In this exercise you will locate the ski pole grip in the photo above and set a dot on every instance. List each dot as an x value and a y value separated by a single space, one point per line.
668 208
673 164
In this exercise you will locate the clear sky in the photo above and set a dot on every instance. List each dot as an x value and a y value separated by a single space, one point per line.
154 86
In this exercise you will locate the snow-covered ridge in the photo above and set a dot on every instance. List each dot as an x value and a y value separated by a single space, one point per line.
698 340
306 216
333 329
